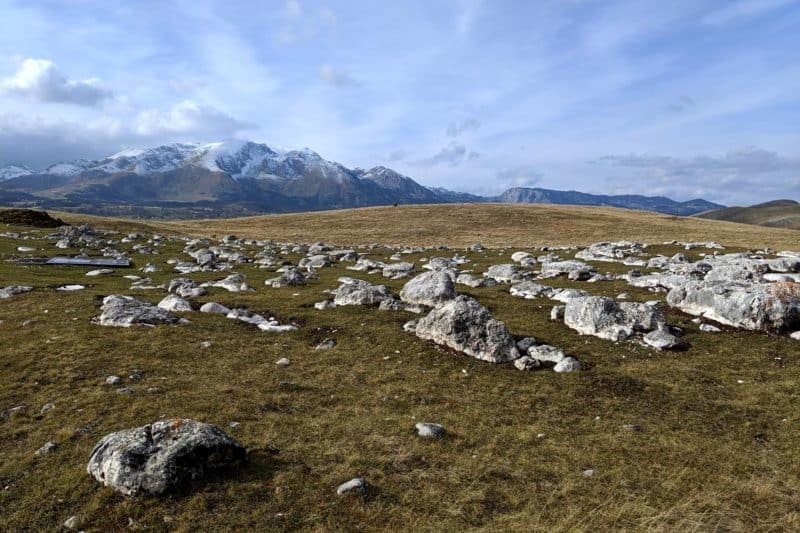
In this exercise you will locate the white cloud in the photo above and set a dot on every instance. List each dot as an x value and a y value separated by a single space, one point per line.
41 80
521 176
457 128
452 155
742 9
292 9
188 117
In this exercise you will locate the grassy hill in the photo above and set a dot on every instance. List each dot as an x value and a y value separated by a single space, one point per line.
776 214
496 225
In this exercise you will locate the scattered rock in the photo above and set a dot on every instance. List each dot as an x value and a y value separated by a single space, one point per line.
100 272
327 344
113 380
429 288
527 362
466 326
214 308
175 304
605 318
568 364
359 292
354 486
754 306
429 430
283 361
47 448
73 522
662 339
13 290
161 457
126 311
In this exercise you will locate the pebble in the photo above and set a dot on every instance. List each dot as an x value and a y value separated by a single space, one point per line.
72 522
283 361
429 430
113 380
46 407
327 344
355 486
47 448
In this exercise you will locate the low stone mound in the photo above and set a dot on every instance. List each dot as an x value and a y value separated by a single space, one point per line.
162 457
29 217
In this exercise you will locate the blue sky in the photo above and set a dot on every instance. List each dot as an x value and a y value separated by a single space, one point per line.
682 98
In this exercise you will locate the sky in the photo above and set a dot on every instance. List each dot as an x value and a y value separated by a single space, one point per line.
685 99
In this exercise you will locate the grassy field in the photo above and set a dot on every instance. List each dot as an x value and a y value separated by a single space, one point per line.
495 225
717 450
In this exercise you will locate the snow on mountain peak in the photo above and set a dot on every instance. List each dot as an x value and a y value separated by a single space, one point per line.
14 171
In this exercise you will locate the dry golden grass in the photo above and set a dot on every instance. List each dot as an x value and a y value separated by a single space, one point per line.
495 225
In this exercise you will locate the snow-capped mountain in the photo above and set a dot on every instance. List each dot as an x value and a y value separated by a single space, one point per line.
14 171
242 177
238 159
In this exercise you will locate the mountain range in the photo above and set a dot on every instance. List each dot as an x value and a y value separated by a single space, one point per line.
241 177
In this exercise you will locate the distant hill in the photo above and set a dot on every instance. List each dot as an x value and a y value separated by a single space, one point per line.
775 214
659 204
233 178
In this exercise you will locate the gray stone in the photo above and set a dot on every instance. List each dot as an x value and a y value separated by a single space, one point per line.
398 270
429 430
530 290
508 273
709 328
327 344
47 448
568 364
283 361
161 457
125 311
607 319
175 304
354 486
546 353
754 306
13 290
527 362
214 308
557 312
525 343
113 380
429 288
662 339
466 326
359 292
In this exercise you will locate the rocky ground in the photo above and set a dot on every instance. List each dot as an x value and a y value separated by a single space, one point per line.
228 382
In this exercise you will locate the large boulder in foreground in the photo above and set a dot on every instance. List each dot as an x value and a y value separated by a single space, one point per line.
126 311
755 306
465 325
429 288
162 457
606 318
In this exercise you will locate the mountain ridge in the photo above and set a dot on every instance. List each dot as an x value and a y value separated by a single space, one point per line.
243 177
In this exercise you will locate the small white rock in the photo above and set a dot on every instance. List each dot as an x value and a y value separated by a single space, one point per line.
355 486
283 361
